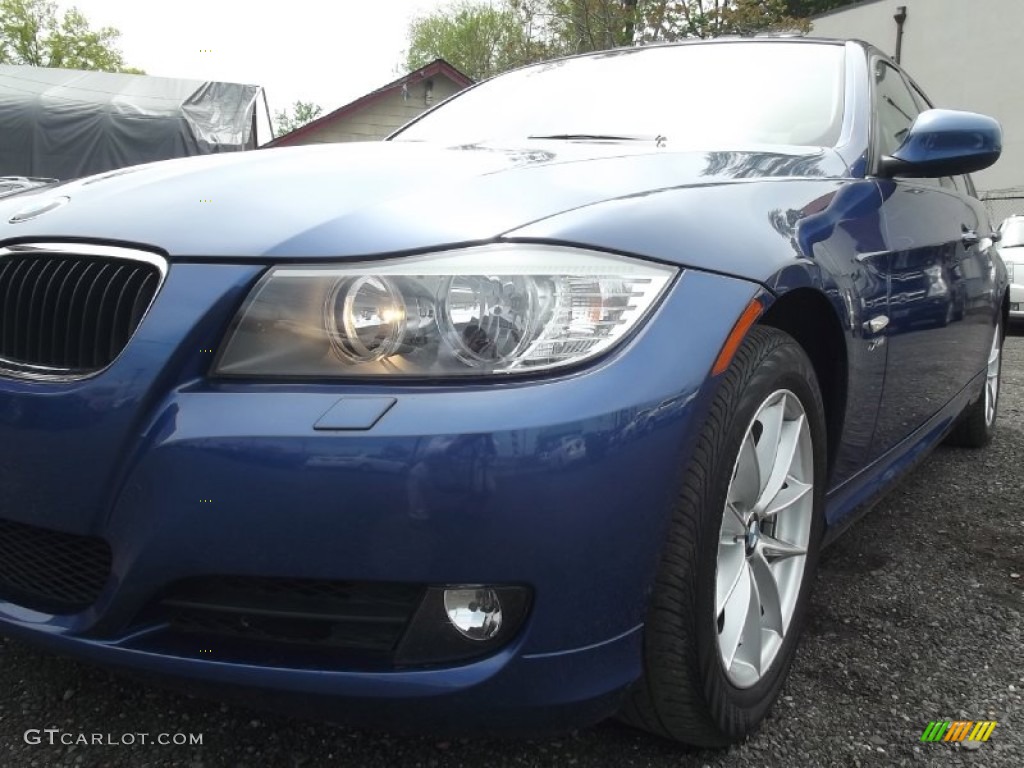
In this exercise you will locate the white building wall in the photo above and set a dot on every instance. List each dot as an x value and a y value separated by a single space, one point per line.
965 54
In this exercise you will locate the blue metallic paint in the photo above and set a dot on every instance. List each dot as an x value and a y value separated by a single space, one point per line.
376 199
96 422
944 142
360 505
810 233
506 691
940 306
465 483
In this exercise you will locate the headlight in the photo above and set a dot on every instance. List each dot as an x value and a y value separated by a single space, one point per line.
936 282
496 309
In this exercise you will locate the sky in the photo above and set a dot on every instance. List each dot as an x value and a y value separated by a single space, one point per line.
329 52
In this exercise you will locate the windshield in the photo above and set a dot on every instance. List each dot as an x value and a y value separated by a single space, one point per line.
698 96
1013 233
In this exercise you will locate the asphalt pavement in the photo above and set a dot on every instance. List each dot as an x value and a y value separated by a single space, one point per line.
917 615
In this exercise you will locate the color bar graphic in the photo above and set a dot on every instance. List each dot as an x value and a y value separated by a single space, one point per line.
935 730
958 730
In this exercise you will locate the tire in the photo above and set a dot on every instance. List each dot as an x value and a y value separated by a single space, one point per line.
686 693
977 423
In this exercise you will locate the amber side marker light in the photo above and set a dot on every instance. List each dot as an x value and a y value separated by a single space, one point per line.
736 335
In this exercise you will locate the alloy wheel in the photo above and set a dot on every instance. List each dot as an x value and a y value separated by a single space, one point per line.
764 538
992 380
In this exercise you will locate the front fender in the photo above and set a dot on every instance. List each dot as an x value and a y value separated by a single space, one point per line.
744 229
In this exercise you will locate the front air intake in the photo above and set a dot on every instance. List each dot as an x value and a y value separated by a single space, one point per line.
51 571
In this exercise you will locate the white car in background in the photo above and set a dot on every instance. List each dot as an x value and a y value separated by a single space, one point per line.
1011 248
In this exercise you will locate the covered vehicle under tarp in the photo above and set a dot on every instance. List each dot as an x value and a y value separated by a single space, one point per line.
66 123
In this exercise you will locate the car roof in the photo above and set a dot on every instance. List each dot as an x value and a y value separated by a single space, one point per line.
763 39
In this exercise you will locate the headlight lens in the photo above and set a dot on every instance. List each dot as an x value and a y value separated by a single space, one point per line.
364 318
490 310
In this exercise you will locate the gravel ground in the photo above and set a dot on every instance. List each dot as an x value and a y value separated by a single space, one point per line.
917 615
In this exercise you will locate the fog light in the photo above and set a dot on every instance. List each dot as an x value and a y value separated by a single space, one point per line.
476 613
460 622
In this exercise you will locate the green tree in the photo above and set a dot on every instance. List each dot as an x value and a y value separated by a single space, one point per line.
581 26
591 25
483 39
669 20
801 9
302 112
477 38
34 32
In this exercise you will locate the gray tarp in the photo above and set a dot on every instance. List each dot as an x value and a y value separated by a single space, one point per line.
66 123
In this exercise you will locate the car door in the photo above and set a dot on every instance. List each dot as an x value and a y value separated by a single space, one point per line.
935 312
842 233
975 271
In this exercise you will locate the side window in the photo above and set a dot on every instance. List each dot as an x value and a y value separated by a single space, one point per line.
969 186
963 185
919 98
895 107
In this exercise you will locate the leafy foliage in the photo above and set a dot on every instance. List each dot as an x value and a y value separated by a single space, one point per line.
33 32
484 38
801 9
579 26
476 38
668 21
302 112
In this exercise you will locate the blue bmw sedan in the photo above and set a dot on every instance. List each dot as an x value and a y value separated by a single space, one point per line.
537 413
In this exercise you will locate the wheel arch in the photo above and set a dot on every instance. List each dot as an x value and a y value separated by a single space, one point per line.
808 316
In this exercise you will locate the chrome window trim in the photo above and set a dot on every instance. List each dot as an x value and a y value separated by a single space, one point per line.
26 371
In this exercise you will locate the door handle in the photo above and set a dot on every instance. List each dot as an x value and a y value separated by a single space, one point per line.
876 324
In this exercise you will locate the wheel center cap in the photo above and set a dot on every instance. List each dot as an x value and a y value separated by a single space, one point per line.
753 535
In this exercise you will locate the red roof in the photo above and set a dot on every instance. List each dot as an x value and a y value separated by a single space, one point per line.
437 67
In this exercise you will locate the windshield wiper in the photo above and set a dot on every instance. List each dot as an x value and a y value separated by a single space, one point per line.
659 140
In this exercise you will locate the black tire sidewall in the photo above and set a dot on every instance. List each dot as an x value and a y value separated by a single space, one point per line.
784 367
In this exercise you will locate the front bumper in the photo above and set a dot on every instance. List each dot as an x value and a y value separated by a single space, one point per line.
1017 297
186 477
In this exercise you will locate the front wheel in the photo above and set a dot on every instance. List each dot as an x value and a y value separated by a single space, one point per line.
735 575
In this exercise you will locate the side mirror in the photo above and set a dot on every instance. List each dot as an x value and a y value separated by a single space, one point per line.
942 142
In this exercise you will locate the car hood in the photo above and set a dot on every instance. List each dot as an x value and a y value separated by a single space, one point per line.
351 200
